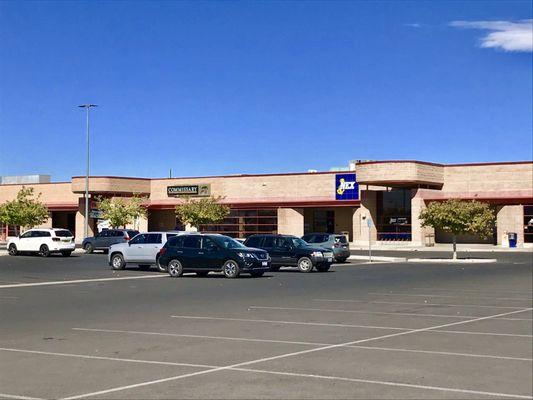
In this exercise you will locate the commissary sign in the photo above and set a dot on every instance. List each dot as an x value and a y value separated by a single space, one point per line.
189 190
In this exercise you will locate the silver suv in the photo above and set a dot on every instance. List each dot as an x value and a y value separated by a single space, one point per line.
336 243
142 250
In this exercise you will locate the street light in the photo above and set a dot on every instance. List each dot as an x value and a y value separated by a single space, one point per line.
86 223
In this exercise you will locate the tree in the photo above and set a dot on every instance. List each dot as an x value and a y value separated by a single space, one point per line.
203 211
459 217
26 210
121 212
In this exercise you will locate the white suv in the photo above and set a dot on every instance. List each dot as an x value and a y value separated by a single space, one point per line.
43 242
143 250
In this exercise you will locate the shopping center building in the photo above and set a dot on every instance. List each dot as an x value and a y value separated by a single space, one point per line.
371 200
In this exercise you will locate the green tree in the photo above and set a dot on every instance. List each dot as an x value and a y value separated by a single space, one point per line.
198 212
26 210
120 211
459 217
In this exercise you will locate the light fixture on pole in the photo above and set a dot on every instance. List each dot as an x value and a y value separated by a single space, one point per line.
86 223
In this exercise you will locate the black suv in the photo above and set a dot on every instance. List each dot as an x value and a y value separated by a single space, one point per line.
106 238
287 250
204 253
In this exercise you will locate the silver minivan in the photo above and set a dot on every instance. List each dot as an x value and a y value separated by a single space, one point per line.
334 242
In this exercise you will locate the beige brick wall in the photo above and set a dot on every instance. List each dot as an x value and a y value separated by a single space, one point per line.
111 185
291 221
51 193
368 210
419 234
510 219
406 171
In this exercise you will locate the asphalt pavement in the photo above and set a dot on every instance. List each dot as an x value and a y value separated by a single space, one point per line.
74 328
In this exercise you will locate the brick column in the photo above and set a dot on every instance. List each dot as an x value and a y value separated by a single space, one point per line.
418 233
368 210
510 219
291 221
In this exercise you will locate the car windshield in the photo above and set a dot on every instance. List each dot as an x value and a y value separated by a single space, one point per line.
63 233
228 243
297 242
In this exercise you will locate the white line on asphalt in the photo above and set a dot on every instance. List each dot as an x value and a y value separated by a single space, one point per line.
48 353
13 396
269 321
521 292
247 370
455 297
314 350
300 343
52 283
417 304
377 312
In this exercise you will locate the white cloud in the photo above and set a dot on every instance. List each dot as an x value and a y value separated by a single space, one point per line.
505 35
413 25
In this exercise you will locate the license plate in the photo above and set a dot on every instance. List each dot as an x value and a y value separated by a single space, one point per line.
65 240
330 259
264 263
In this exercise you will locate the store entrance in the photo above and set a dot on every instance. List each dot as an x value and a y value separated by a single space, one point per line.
329 220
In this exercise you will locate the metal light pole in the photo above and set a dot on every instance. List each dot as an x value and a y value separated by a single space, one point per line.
86 223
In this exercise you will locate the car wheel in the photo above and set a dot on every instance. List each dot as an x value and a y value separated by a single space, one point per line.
175 269
275 268
44 251
66 253
117 261
160 268
13 250
231 269
324 268
257 274
202 274
144 267
89 248
341 260
305 264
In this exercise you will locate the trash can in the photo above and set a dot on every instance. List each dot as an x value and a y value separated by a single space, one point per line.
512 237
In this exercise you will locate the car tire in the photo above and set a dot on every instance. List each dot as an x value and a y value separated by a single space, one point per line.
117 261
341 260
257 274
202 274
144 267
275 268
44 251
175 269
231 269
66 253
13 250
89 248
324 268
305 264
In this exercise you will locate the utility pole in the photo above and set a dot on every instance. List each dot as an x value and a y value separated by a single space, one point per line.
86 222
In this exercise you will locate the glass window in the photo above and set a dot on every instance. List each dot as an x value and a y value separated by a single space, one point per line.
26 235
208 244
63 233
171 235
153 238
192 241
131 233
268 241
341 239
254 241
139 239
228 242
176 242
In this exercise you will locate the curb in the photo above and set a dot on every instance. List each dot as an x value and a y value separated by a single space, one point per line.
452 261
378 258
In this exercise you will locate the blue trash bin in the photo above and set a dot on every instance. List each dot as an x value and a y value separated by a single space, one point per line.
513 237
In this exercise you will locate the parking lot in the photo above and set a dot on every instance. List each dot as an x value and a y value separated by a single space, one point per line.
72 328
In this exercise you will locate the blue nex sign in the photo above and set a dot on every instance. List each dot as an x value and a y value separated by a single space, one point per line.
346 187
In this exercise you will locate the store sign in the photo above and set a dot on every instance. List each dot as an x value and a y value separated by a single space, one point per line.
96 214
346 187
189 190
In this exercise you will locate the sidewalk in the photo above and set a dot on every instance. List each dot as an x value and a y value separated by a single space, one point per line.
440 247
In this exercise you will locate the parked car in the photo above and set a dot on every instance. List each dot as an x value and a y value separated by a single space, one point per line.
105 239
202 253
338 244
43 242
287 250
143 250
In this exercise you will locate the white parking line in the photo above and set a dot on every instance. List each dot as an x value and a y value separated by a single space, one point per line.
239 339
323 348
13 396
53 283
521 292
417 304
269 321
378 312
454 297
261 371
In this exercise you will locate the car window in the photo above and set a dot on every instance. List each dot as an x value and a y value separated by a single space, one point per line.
153 238
119 234
171 235
208 244
341 239
130 233
268 242
254 241
103 234
228 242
139 239
295 242
63 233
192 241
26 235
176 242
40 234
308 238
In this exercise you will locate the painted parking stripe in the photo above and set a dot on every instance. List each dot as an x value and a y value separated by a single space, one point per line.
270 321
13 396
520 292
377 312
239 339
317 349
250 370
416 304
53 283
454 297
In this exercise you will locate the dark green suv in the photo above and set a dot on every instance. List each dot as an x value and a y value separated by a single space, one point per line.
287 250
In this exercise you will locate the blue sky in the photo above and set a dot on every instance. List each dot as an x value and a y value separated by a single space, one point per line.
251 87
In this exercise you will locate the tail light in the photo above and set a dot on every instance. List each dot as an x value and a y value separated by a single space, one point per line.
336 245
127 238
56 239
162 251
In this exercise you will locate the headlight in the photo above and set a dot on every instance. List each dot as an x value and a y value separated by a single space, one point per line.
317 254
245 255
